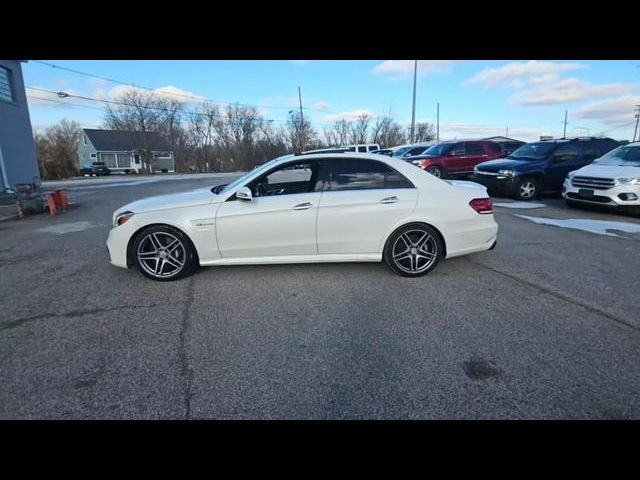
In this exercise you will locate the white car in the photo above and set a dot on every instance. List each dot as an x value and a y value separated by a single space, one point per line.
305 208
613 180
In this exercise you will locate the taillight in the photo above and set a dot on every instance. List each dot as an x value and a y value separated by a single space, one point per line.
482 205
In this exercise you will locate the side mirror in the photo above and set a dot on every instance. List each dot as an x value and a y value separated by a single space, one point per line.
244 193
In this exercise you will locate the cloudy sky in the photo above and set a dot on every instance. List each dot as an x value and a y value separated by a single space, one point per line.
477 98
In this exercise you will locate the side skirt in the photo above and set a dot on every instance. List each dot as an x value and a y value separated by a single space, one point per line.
352 257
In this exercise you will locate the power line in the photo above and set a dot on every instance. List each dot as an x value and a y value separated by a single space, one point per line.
115 102
184 95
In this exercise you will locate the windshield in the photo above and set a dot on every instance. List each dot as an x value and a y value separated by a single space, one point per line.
439 149
225 188
533 151
621 156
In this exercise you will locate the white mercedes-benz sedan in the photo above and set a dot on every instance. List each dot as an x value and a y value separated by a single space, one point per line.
306 208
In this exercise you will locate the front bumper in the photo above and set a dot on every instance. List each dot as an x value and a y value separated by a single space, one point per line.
496 183
118 242
613 197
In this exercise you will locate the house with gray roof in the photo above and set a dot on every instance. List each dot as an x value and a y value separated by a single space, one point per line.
123 151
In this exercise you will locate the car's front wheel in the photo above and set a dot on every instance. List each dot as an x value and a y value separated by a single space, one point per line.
164 253
413 250
527 189
435 171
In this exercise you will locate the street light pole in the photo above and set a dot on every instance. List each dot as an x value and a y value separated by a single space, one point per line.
302 139
564 134
635 131
413 110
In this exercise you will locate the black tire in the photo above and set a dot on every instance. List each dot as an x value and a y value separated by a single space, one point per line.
524 190
183 253
430 248
436 171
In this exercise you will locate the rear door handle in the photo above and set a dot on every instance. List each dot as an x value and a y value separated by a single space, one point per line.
303 206
393 199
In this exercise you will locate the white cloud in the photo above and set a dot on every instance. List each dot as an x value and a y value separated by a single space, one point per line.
300 62
613 111
349 116
405 67
168 91
513 73
550 92
321 105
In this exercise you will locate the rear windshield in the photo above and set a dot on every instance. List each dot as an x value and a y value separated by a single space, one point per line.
622 156
534 151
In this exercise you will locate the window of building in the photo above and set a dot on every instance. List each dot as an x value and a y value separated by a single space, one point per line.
6 88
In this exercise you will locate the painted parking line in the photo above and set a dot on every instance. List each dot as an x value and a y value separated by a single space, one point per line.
600 227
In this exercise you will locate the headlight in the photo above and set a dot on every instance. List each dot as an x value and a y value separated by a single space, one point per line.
629 181
121 218
506 173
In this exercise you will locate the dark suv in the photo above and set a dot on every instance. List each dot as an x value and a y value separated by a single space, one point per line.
99 168
456 157
540 166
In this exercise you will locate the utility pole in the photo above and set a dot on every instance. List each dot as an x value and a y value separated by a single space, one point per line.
413 110
637 119
564 135
438 123
302 139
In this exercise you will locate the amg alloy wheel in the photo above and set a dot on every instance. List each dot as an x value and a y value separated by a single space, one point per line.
413 250
163 253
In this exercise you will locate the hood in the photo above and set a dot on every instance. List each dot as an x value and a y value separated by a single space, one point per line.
172 200
608 171
506 163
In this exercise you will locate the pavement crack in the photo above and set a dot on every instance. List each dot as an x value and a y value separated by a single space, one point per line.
183 355
561 296
76 313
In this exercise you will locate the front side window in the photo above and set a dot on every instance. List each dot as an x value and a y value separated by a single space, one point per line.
362 149
289 179
358 174
533 151
439 149
6 88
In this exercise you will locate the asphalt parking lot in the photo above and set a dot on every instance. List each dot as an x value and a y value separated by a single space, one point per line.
547 325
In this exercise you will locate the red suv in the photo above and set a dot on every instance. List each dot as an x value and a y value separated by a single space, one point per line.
456 157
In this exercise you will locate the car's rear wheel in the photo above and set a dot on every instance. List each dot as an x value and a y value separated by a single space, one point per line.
164 253
413 250
435 171
527 189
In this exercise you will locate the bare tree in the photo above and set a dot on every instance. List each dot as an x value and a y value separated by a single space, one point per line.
300 136
425 132
360 129
387 133
338 133
237 131
57 149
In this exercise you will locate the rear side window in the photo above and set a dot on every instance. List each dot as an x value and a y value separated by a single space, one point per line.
567 152
494 147
359 174
458 149
362 149
475 149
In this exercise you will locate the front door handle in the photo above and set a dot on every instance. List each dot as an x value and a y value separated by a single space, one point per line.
393 199
303 206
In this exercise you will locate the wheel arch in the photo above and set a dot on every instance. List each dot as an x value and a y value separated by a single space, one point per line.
156 224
